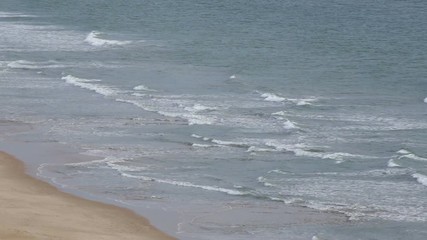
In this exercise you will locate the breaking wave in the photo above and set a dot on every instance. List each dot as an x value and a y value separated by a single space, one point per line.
90 84
93 39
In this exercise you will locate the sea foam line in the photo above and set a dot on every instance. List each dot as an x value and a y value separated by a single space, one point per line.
407 154
94 39
299 150
420 178
186 184
23 64
143 88
271 97
89 84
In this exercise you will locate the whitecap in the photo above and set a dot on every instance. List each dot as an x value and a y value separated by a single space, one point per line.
198 108
95 162
290 125
272 97
230 143
23 64
197 145
15 15
403 151
425 100
410 155
420 178
143 88
280 113
196 136
264 181
258 149
302 101
392 164
304 150
90 85
94 39
187 184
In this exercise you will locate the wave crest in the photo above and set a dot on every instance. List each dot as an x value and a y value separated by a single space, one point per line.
93 39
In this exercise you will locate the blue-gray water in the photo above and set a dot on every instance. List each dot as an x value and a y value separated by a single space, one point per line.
206 106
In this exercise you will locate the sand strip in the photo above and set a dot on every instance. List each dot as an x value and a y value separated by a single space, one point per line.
33 209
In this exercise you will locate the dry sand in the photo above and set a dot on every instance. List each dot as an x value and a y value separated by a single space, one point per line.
33 209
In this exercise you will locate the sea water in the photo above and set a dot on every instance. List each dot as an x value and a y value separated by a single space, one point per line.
232 117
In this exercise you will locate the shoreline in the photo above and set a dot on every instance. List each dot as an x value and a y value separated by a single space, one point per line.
34 209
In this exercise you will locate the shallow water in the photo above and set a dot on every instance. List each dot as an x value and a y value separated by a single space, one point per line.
250 107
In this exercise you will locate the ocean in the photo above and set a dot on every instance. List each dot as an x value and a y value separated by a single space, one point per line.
231 120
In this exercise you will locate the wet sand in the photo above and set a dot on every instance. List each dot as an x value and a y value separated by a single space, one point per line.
33 209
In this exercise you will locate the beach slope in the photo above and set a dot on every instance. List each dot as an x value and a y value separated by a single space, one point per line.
33 209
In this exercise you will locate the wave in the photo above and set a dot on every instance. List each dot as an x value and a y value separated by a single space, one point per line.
193 119
173 108
15 15
198 145
290 125
392 164
95 162
420 178
94 39
264 181
280 113
303 101
199 108
90 85
304 150
272 97
225 143
425 100
407 154
187 184
258 149
200 137
143 88
23 64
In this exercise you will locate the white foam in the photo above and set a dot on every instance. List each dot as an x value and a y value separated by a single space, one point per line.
139 94
403 151
420 178
280 113
272 97
230 143
199 108
302 101
93 39
197 145
264 181
15 15
95 162
196 136
258 149
23 64
89 84
409 155
425 100
301 150
290 125
143 88
392 164
193 119
232 77
187 184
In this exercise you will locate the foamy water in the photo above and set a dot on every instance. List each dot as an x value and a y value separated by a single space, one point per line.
246 108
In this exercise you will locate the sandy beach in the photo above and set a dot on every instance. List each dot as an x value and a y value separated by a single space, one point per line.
33 209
